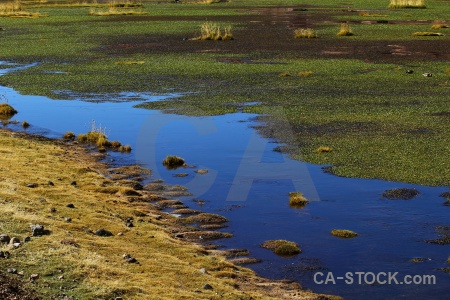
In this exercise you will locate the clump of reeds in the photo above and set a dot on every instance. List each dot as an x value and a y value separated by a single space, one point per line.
345 29
407 4
296 199
25 124
212 31
307 33
344 233
97 135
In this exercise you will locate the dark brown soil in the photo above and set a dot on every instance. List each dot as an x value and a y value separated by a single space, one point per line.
254 36
13 289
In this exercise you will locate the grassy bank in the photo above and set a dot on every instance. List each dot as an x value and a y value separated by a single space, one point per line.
358 98
70 259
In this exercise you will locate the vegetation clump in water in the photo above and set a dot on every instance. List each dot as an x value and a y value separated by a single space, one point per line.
7 110
282 247
296 199
172 162
344 233
400 194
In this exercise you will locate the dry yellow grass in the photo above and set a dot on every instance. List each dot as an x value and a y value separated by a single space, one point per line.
307 33
88 266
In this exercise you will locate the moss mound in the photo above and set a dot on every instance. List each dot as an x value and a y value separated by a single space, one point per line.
344 233
282 247
7 110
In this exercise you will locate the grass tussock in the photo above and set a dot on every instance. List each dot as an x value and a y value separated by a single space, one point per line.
282 247
323 149
407 4
15 9
115 8
97 136
212 31
296 199
69 136
344 233
173 162
345 30
439 24
7 110
207 2
25 124
400 194
305 73
366 14
427 33
302 33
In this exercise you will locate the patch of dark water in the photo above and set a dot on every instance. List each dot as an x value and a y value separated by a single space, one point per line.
249 184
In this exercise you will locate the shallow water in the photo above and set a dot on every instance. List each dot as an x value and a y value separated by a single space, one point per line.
249 183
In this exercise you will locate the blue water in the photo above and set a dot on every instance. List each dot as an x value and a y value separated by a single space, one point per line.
249 183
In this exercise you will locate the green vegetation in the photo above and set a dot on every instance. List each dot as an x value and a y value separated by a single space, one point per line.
282 247
344 233
379 121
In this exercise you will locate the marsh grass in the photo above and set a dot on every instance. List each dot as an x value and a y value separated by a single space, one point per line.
366 14
7 110
344 233
407 4
439 24
344 29
69 136
307 33
282 247
427 33
212 31
296 199
15 9
305 73
140 62
172 162
323 149
118 8
25 124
